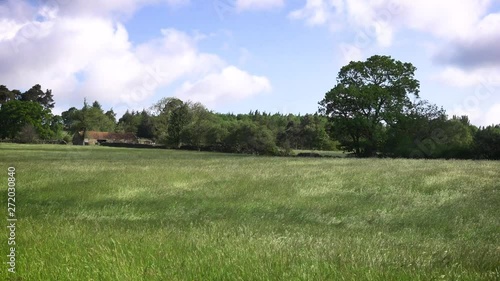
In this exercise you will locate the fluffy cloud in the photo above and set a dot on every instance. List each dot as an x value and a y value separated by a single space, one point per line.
228 85
14 9
350 53
477 115
445 19
478 49
319 12
492 116
484 84
258 4
52 52
483 95
381 18
456 77
91 56
104 8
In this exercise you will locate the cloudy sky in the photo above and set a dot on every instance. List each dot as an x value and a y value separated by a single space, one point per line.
238 55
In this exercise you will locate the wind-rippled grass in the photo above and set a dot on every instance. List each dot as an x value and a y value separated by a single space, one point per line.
96 213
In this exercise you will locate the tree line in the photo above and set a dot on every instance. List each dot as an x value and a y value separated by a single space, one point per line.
187 125
373 110
27 116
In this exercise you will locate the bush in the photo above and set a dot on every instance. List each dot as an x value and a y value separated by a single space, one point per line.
28 134
487 143
67 138
247 137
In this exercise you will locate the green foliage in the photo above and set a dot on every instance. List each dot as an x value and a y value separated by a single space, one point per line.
27 134
427 133
248 137
204 130
57 127
6 95
88 118
367 95
146 126
35 94
179 117
369 112
69 118
414 130
27 116
15 114
67 138
97 120
129 122
199 133
487 143
305 132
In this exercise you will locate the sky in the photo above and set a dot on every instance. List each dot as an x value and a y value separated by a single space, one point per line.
241 55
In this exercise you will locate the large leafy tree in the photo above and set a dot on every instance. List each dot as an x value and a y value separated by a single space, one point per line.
97 120
369 96
170 117
15 115
487 142
160 117
129 122
145 128
70 118
6 94
36 94
88 118
179 118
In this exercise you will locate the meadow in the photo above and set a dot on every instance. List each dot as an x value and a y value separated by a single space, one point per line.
98 213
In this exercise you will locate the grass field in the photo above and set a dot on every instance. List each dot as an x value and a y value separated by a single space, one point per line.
336 153
96 213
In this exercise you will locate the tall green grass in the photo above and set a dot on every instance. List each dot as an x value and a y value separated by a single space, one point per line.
95 213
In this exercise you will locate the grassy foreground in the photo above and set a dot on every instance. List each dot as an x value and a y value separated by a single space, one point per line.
95 213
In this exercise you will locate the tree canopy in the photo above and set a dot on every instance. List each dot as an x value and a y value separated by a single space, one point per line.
369 95
16 114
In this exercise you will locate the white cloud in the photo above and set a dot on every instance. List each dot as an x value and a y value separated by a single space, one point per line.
258 4
456 77
492 116
228 85
319 12
446 18
15 9
8 29
56 50
350 53
92 56
479 49
379 19
480 102
384 34
104 8
483 115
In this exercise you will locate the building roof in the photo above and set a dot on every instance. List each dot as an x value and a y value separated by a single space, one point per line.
111 136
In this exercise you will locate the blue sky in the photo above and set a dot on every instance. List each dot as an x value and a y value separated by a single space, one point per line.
242 55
